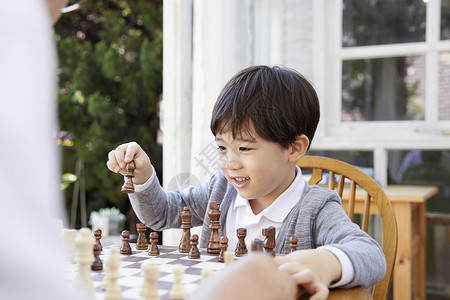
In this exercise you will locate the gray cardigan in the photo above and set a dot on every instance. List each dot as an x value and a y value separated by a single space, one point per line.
317 219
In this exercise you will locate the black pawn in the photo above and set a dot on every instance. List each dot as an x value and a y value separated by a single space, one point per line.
223 248
141 243
194 253
154 251
125 248
241 247
257 245
97 265
98 237
293 243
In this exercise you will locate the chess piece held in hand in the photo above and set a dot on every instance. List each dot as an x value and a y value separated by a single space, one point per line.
128 186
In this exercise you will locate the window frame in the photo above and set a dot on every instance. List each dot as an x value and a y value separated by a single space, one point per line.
379 136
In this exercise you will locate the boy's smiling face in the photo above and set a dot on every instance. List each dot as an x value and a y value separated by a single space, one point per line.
259 169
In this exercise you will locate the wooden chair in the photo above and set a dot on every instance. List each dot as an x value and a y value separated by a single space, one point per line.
374 195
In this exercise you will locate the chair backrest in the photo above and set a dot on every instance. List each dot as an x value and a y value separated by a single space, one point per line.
373 194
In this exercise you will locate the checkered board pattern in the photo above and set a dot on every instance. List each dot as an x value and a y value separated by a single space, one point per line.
131 279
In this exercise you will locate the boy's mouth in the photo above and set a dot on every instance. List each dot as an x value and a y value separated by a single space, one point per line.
240 181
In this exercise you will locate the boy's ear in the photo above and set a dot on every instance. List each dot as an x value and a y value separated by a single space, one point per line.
299 148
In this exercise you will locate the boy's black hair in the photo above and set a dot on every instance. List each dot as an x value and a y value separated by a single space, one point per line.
279 102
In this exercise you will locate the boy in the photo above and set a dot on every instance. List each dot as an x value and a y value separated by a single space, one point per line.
263 122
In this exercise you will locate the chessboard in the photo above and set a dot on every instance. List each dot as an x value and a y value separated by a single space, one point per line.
131 278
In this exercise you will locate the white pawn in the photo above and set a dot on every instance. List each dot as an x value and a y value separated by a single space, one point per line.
149 289
85 255
69 236
113 291
177 292
207 272
106 277
228 257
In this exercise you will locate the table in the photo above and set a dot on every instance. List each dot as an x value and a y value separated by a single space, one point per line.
409 204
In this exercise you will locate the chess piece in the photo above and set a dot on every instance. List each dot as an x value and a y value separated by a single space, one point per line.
257 245
269 242
128 186
214 224
194 253
98 237
58 226
293 243
97 265
69 236
223 248
113 291
85 244
125 248
149 289
241 247
186 225
105 278
228 257
154 251
141 243
177 291
207 272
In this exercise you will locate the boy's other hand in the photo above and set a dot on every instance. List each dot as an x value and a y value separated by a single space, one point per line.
314 269
254 277
125 153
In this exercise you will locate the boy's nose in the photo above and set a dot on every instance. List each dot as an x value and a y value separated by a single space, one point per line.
232 162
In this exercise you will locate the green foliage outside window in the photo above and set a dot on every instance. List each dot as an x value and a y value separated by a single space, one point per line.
110 84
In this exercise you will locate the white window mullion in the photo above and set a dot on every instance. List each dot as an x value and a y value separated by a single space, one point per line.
333 64
380 165
431 89
432 63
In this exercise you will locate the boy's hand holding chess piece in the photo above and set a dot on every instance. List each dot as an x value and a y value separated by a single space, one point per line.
123 155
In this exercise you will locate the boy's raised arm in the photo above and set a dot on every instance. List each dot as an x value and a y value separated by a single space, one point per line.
125 153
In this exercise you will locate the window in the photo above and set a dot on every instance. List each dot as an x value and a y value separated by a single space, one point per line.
392 61
423 167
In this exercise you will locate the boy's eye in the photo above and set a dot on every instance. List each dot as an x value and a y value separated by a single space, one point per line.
243 149
221 148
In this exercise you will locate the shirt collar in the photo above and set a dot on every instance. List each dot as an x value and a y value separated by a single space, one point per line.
281 207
